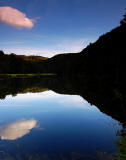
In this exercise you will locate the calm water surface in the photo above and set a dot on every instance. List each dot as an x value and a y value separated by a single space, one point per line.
51 126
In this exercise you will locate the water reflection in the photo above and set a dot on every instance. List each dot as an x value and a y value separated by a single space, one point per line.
17 129
108 97
72 124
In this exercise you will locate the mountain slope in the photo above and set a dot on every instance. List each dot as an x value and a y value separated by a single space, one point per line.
20 64
104 58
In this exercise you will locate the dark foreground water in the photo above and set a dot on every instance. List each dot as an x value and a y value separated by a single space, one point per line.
51 126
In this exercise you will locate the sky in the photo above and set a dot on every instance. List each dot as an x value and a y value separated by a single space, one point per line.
49 27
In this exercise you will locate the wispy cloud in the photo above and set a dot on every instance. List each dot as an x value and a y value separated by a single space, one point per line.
65 46
75 102
11 42
32 51
73 45
68 101
15 18
34 96
17 129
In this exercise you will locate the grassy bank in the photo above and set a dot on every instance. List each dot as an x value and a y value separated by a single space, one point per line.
25 75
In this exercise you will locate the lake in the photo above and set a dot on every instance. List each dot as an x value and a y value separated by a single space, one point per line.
48 125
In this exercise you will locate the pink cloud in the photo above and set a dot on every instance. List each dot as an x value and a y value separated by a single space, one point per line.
15 18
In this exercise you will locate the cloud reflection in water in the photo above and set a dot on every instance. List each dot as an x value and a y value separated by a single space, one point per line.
17 129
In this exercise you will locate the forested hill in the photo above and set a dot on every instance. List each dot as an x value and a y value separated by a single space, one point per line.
104 58
20 63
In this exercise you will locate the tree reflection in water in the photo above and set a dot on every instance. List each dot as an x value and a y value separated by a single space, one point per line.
108 97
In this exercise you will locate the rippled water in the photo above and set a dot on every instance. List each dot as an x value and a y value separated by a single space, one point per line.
51 126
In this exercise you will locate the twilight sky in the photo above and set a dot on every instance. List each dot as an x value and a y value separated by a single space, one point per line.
49 27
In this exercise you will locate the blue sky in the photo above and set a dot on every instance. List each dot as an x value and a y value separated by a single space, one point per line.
57 26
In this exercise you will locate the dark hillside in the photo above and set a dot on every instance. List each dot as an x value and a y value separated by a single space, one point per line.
105 58
17 64
107 55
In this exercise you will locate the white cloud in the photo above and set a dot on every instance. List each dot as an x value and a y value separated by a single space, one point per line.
68 101
35 96
15 18
17 129
32 51
72 45
65 46
75 102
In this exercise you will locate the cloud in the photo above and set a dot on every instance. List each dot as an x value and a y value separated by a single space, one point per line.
11 42
65 46
67 101
17 129
75 102
32 51
46 95
72 45
15 18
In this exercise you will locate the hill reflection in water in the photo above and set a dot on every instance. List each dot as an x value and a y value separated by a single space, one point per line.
70 123
108 97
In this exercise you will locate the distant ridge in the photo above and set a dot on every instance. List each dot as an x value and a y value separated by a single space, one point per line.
103 59
12 63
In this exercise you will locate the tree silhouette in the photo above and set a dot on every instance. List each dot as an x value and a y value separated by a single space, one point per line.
123 21
1 53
